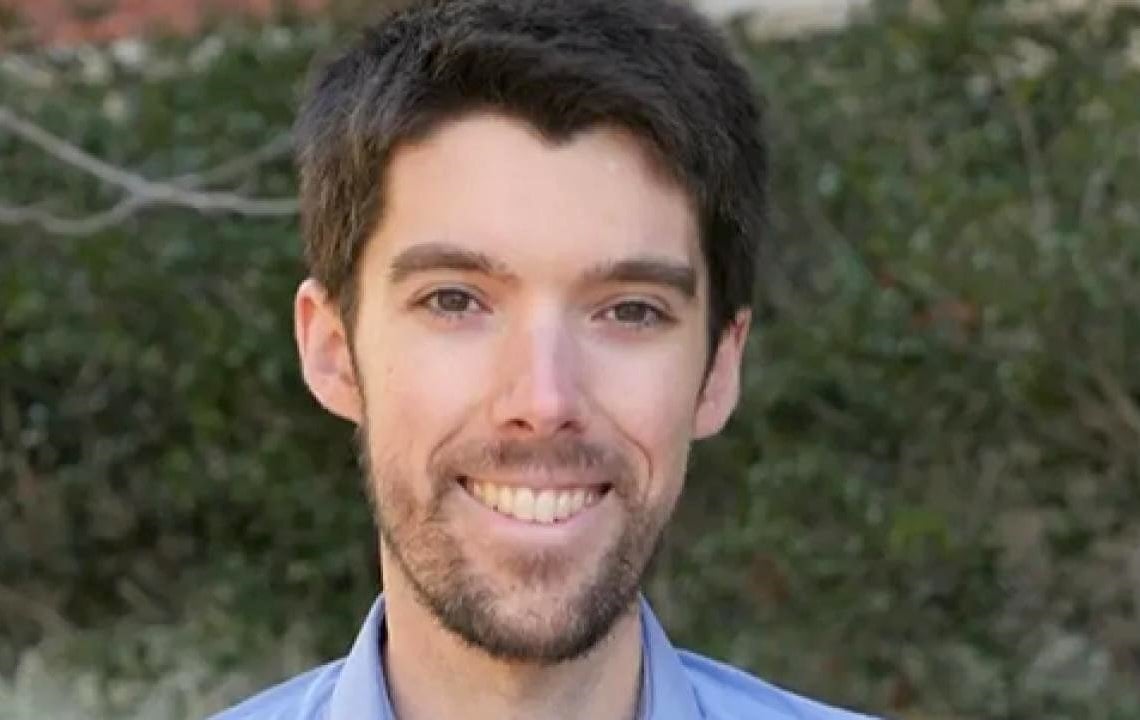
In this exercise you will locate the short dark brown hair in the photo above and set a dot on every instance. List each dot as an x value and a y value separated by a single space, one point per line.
653 67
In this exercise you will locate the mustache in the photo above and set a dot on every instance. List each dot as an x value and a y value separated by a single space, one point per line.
547 454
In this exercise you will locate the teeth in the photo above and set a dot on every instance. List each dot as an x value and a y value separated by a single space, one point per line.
564 505
498 498
524 504
546 507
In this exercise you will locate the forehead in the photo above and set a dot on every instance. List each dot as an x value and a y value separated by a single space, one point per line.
494 184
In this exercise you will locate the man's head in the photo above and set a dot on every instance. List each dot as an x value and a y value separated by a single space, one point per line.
531 228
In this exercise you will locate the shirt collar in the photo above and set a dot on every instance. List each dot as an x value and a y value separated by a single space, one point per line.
361 692
666 693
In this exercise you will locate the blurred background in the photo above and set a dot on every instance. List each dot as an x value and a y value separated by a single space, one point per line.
928 505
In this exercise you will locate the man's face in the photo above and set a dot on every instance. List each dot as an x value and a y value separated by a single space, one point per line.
528 353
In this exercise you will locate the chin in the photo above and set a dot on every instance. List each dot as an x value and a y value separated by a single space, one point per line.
541 630
556 620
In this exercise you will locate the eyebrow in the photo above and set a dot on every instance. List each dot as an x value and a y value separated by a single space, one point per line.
679 276
428 257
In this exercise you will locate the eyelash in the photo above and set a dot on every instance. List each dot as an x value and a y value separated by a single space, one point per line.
430 303
659 317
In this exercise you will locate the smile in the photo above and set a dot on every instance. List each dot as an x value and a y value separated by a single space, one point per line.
541 507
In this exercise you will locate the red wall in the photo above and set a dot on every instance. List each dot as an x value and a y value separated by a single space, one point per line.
64 22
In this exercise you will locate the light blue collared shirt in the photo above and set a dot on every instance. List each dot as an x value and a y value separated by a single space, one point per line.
676 685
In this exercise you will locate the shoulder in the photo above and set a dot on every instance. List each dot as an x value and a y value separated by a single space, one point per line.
726 692
304 697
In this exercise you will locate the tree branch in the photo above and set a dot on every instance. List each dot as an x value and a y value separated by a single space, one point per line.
87 225
1043 211
178 191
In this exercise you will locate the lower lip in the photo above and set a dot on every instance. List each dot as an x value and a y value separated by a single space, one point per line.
532 531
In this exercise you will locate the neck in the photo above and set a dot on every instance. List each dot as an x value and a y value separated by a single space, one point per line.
418 652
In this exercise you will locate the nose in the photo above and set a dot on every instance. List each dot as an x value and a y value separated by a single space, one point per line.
540 384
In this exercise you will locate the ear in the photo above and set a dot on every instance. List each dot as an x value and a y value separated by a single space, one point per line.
326 357
722 386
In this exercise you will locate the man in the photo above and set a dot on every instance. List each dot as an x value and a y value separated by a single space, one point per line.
530 227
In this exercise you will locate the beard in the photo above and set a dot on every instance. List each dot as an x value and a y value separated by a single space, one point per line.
561 625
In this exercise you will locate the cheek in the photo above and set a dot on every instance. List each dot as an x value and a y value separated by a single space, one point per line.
416 395
651 397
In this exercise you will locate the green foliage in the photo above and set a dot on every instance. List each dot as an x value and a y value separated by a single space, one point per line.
156 437
925 506
135 671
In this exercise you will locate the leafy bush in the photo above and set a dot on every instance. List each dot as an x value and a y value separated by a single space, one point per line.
133 671
927 504
940 430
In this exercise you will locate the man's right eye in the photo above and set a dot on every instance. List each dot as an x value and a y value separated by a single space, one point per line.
451 302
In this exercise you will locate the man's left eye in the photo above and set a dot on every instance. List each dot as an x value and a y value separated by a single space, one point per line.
636 313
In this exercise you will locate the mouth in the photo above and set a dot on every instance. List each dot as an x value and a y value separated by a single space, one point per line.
547 506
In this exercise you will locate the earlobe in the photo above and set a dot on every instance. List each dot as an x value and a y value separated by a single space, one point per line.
722 387
325 354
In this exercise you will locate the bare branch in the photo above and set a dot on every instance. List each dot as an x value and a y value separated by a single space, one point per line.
1117 396
1044 213
86 225
178 191
1093 197
278 147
